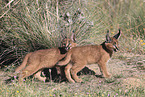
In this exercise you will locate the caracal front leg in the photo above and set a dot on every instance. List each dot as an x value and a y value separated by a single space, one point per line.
75 69
103 69
67 73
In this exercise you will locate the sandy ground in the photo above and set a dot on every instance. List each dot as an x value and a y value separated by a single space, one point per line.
130 68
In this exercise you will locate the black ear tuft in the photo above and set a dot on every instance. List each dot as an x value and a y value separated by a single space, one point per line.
117 35
108 39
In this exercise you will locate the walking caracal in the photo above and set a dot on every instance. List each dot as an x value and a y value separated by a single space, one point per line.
79 56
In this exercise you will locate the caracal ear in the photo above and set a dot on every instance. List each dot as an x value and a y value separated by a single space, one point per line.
73 37
117 36
108 39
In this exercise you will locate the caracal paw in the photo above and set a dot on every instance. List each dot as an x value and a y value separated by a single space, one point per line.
71 81
108 75
79 80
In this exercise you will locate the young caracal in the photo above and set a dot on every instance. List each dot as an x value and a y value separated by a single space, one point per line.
35 62
80 56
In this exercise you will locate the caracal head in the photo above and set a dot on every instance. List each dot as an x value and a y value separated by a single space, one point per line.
112 42
69 43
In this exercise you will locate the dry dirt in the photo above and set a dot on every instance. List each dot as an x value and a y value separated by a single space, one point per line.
128 68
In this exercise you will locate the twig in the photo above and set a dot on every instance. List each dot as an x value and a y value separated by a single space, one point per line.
8 9
8 4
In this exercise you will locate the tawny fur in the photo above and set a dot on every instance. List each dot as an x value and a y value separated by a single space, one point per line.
35 62
78 57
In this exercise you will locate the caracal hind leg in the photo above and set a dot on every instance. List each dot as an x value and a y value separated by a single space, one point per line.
29 70
67 73
38 75
74 70
103 70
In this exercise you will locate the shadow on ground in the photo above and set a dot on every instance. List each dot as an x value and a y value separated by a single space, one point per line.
53 76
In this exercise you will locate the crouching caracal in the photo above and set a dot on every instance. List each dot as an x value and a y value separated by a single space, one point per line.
80 56
35 62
